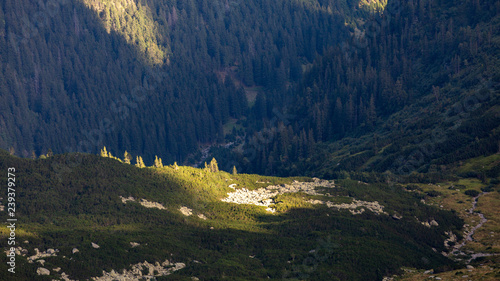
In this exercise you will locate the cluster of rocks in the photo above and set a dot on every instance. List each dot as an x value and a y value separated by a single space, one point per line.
469 232
356 207
143 202
264 196
19 251
39 255
44 271
186 211
430 223
142 271
451 238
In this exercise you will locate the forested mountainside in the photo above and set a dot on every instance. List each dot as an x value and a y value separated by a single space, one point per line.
416 88
151 76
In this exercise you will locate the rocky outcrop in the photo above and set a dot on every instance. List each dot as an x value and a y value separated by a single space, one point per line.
42 271
142 271
186 211
39 255
264 196
356 207
143 202
149 204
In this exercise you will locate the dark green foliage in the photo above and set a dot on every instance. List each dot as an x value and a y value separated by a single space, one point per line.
67 208
154 77
433 193
472 192
422 95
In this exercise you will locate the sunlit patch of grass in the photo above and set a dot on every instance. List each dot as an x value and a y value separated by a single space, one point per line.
287 201
489 233
20 233
471 184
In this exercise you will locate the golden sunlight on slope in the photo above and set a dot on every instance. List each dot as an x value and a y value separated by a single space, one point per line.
137 25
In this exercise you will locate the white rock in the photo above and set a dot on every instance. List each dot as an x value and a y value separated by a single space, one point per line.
134 244
95 246
75 250
42 262
202 216
186 211
149 204
57 269
42 271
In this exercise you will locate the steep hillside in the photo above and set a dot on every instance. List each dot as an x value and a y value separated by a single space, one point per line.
150 76
116 215
414 89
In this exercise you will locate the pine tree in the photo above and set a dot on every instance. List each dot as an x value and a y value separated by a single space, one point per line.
158 163
235 172
12 150
104 152
213 166
33 154
139 162
176 167
50 153
127 157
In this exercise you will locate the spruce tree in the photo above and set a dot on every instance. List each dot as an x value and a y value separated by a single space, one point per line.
127 157
213 166
158 163
235 172
104 152
140 162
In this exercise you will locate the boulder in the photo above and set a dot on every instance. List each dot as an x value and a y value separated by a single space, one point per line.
42 271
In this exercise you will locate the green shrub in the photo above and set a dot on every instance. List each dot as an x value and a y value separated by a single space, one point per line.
472 192
433 193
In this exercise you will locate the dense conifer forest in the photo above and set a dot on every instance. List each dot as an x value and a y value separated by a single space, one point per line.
373 128
150 76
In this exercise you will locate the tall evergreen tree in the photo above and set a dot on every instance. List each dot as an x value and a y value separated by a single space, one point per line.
127 157
104 152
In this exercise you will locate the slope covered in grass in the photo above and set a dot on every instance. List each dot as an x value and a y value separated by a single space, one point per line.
73 200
